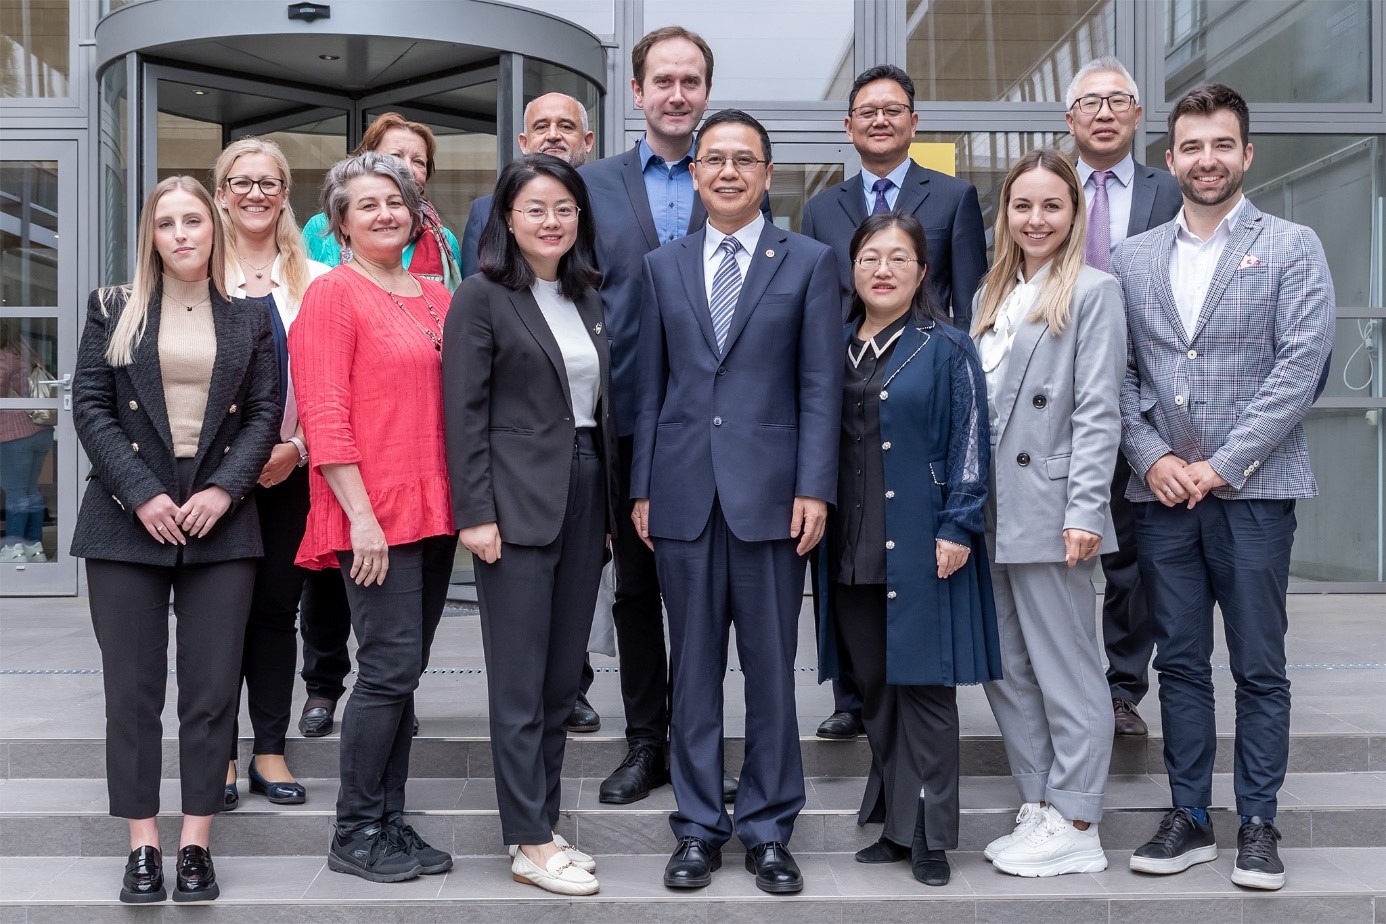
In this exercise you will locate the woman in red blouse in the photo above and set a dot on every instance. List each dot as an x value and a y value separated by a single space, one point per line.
365 355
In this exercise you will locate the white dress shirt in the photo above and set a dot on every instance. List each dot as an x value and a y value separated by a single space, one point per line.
749 236
994 345
1119 193
580 361
897 179
1192 262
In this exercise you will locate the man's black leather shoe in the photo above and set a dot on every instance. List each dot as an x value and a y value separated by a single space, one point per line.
729 786
278 793
775 868
692 864
840 726
317 718
883 851
197 878
583 718
643 769
144 877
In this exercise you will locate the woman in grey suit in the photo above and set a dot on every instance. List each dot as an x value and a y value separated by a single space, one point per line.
176 402
1051 334
531 456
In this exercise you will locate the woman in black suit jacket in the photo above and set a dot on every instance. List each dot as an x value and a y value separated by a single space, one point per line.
176 404
531 457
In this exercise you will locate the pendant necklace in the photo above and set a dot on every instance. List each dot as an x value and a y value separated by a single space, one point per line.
259 270
434 337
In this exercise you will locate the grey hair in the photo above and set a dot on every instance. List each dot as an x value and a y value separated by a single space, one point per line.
581 109
1103 65
335 198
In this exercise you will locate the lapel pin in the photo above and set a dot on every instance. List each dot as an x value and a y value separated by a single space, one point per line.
597 329
770 254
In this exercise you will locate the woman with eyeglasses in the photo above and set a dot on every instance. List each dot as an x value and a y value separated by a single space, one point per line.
266 266
532 452
908 592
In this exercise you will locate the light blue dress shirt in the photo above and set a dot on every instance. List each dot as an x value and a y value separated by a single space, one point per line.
1118 195
669 187
896 177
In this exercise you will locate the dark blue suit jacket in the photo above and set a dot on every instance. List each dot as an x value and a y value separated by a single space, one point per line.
755 425
471 235
1155 199
947 208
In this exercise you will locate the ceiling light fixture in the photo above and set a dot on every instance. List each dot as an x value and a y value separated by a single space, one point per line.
199 92
329 57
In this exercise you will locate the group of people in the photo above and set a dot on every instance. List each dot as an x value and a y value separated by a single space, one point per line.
631 355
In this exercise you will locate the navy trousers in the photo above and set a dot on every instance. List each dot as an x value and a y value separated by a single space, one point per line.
710 584
1235 554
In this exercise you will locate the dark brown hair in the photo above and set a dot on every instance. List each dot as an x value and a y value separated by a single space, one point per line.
641 51
925 306
375 136
1208 99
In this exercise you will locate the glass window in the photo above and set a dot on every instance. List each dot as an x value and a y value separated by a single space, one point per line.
1273 51
28 464
795 184
540 77
1003 50
113 148
28 233
777 50
1337 537
34 45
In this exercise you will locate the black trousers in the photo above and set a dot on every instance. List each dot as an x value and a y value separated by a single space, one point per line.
913 730
643 657
325 624
129 611
394 624
846 693
536 615
1127 631
271 642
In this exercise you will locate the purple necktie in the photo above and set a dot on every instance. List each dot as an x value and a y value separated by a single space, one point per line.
879 188
1099 245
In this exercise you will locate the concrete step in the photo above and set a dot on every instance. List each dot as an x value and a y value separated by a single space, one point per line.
69 817
1342 886
439 753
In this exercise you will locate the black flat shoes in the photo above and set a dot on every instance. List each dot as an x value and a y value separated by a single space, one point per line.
197 878
278 793
144 877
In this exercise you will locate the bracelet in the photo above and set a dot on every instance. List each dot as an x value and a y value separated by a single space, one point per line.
956 545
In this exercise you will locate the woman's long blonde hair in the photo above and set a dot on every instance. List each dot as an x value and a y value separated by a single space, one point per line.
293 261
1053 304
149 269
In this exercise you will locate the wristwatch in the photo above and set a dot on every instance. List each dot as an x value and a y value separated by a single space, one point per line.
302 450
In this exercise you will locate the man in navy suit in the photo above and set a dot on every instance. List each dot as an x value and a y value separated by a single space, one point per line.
735 459
555 124
642 198
1125 198
881 123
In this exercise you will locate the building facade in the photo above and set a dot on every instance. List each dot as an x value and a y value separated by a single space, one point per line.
100 99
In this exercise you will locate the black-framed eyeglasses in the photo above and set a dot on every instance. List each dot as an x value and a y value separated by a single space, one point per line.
1092 103
269 185
871 264
536 214
744 163
869 113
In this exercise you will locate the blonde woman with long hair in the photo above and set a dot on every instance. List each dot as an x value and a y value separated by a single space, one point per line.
1051 334
266 265
176 402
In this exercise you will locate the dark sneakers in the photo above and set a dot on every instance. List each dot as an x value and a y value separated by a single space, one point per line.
431 859
144 877
643 769
1179 843
1258 858
374 855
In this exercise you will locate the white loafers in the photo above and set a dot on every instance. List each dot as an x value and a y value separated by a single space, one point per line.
559 875
576 857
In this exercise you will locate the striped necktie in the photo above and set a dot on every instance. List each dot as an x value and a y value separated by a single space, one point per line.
1098 250
726 288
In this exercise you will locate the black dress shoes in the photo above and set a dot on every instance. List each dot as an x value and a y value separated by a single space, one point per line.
144 877
840 726
232 799
643 769
317 718
883 851
583 718
928 866
729 786
278 793
197 878
1126 721
692 864
775 868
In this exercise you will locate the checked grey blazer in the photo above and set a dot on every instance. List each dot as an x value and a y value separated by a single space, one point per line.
1236 392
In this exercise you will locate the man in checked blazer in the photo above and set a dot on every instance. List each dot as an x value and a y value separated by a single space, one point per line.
1230 315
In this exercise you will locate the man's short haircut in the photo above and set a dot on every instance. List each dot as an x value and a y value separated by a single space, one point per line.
586 127
881 72
1207 99
734 117
1107 64
641 51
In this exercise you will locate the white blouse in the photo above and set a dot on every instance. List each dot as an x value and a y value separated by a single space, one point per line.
580 360
994 345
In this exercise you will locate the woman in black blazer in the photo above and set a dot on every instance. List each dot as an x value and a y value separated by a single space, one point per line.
176 402
531 457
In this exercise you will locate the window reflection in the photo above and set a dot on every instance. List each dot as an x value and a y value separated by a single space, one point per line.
112 149
28 476
28 233
794 185
34 45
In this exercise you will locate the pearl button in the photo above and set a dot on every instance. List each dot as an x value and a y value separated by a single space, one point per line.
134 405
890 543
891 595
886 444
884 394
890 495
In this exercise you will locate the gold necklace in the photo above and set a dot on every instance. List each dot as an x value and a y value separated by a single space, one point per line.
435 338
259 270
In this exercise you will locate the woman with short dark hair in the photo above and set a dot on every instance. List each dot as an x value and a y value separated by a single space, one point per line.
531 450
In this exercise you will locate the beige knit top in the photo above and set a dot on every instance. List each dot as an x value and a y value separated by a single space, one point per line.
187 352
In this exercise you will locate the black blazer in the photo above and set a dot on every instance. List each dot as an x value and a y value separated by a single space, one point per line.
509 412
1155 199
122 423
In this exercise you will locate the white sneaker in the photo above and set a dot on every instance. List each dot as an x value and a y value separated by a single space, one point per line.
559 875
1029 815
1053 847
578 858
12 553
33 551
